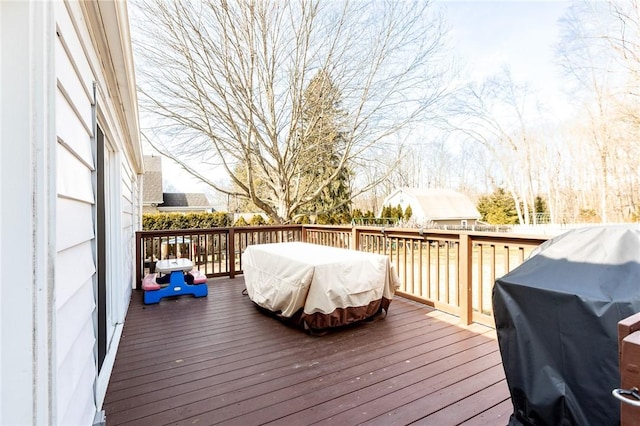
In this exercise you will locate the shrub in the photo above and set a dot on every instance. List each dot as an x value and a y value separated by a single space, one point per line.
241 222
199 220
257 220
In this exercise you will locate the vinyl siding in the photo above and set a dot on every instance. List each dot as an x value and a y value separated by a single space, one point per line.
74 351
27 201
74 268
75 264
79 66
129 225
52 54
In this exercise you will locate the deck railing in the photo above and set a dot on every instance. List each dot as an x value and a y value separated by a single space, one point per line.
453 271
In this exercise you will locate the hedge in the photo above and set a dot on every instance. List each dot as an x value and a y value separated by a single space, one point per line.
200 220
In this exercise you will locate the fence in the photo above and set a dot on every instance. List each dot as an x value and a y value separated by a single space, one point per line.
453 271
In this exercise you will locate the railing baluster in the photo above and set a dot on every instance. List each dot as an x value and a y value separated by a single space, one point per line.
447 272
429 281
480 279
464 280
437 271
507 256
420 266
231 254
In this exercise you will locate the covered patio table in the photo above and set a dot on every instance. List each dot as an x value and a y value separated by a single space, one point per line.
317 287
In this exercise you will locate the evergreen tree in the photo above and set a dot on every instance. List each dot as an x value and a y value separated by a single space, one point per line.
498 208
541 210
408 213
398 213
257 220
322 140
241 222
386 214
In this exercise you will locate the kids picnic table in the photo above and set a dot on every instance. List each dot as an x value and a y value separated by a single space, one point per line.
177 285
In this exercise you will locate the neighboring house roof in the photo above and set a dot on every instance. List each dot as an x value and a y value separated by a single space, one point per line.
437 204
152 194
152 186
185 199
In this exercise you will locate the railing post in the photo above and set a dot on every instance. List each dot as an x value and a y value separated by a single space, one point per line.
626 327
303 234
629 354
139 261
464 279
231 253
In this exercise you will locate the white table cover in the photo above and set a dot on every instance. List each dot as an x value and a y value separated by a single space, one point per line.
325 286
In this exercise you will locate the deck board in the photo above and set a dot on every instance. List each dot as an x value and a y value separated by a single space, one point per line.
218 360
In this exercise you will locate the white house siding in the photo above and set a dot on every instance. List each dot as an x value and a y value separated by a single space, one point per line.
27 236
51 55
404 200
130 224
80 65
75 225
442 206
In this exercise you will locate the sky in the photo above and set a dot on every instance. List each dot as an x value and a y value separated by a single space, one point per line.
486 36
522 35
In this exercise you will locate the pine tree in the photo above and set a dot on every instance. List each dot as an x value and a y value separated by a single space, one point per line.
322 140
498 208
408 213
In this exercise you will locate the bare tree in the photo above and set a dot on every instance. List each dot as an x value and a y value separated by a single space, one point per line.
625 41
495 114
625 37
225 82
601 51
584 60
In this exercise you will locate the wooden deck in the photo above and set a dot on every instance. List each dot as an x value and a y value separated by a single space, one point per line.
218 360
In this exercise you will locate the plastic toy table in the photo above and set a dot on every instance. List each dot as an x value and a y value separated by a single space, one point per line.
177 285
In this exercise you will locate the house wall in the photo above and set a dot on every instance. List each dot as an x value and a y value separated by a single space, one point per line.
75 262
90 92
27 199
57 83
150 209
419 215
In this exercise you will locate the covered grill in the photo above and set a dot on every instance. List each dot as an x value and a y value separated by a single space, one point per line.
556 318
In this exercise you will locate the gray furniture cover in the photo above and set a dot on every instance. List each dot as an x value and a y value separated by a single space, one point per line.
556 317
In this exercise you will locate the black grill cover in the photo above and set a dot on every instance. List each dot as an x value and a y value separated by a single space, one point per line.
556 318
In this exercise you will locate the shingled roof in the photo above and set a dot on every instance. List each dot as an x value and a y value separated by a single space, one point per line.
152 194
435 204
152 186
185 199
441 204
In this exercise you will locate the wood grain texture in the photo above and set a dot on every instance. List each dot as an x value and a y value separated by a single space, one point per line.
218 360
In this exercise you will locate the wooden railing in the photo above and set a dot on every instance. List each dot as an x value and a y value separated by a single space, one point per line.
210 250
453 271
629 359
